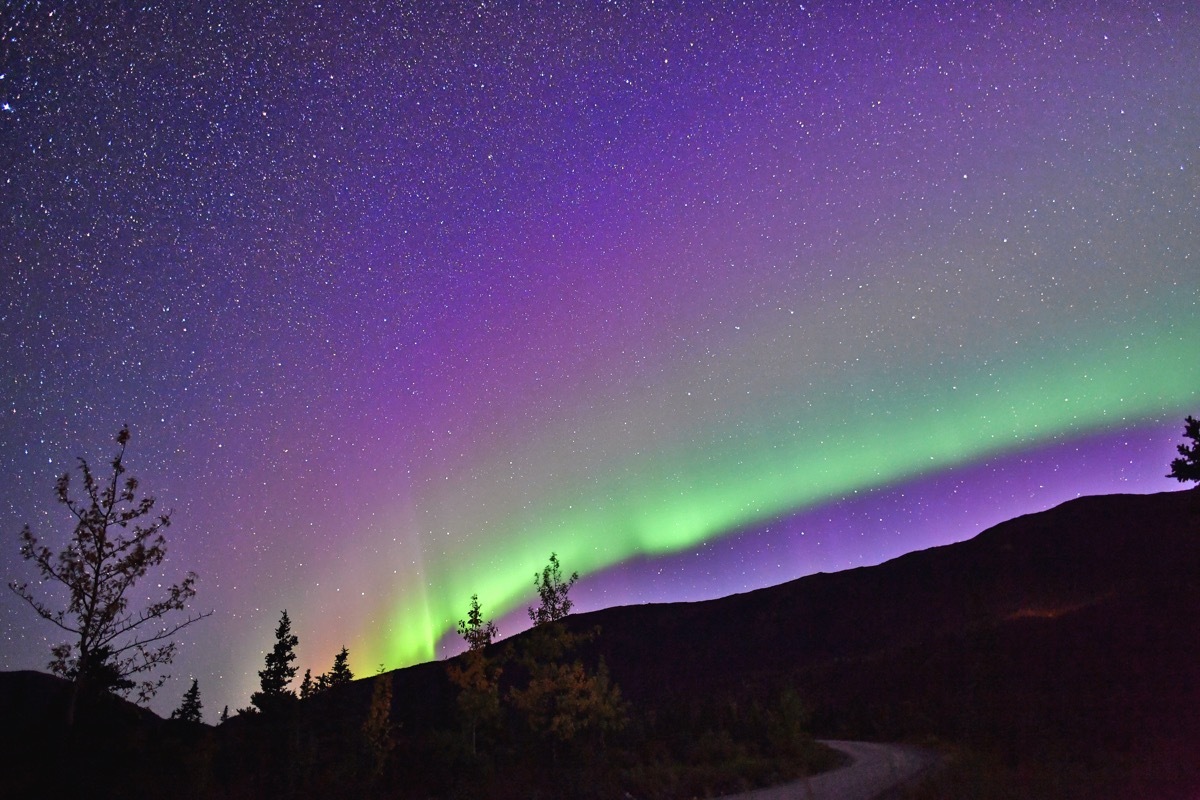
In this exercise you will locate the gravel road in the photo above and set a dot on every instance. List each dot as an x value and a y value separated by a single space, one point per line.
875 770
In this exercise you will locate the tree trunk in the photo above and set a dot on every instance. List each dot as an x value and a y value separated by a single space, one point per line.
73 701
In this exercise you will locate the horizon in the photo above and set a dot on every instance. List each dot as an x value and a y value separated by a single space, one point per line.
457 647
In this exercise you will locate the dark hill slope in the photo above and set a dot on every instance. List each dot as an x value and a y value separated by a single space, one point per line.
1071 634
1087 552
115 748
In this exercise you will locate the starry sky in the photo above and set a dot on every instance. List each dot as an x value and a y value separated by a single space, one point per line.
701 296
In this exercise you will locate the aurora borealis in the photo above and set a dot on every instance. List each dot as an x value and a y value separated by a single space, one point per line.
704 297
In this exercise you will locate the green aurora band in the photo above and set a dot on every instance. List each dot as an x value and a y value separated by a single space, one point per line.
862 430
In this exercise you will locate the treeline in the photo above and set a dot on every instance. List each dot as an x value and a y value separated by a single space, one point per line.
492 707
536 715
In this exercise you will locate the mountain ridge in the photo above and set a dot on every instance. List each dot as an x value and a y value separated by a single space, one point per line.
1060 642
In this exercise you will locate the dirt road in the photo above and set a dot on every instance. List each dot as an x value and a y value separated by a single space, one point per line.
875 769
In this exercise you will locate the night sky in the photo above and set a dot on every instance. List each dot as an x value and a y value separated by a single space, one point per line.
702 297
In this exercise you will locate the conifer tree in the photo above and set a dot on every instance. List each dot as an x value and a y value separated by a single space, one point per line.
340 673
224 714
191 710
1187 466
279 670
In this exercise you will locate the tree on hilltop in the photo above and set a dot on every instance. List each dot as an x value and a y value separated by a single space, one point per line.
563 699
475 675
340 673
190 710
1187 466
279 670
476 632
553 593
117 540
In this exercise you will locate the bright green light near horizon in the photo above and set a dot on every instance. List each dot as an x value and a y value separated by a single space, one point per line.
675 498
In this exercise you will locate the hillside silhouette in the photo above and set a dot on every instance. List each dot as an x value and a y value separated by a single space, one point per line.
1061 647
1067 639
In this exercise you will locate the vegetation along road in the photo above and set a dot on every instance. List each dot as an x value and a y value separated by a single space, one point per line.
874 770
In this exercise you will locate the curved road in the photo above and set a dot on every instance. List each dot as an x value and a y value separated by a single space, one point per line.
874 770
